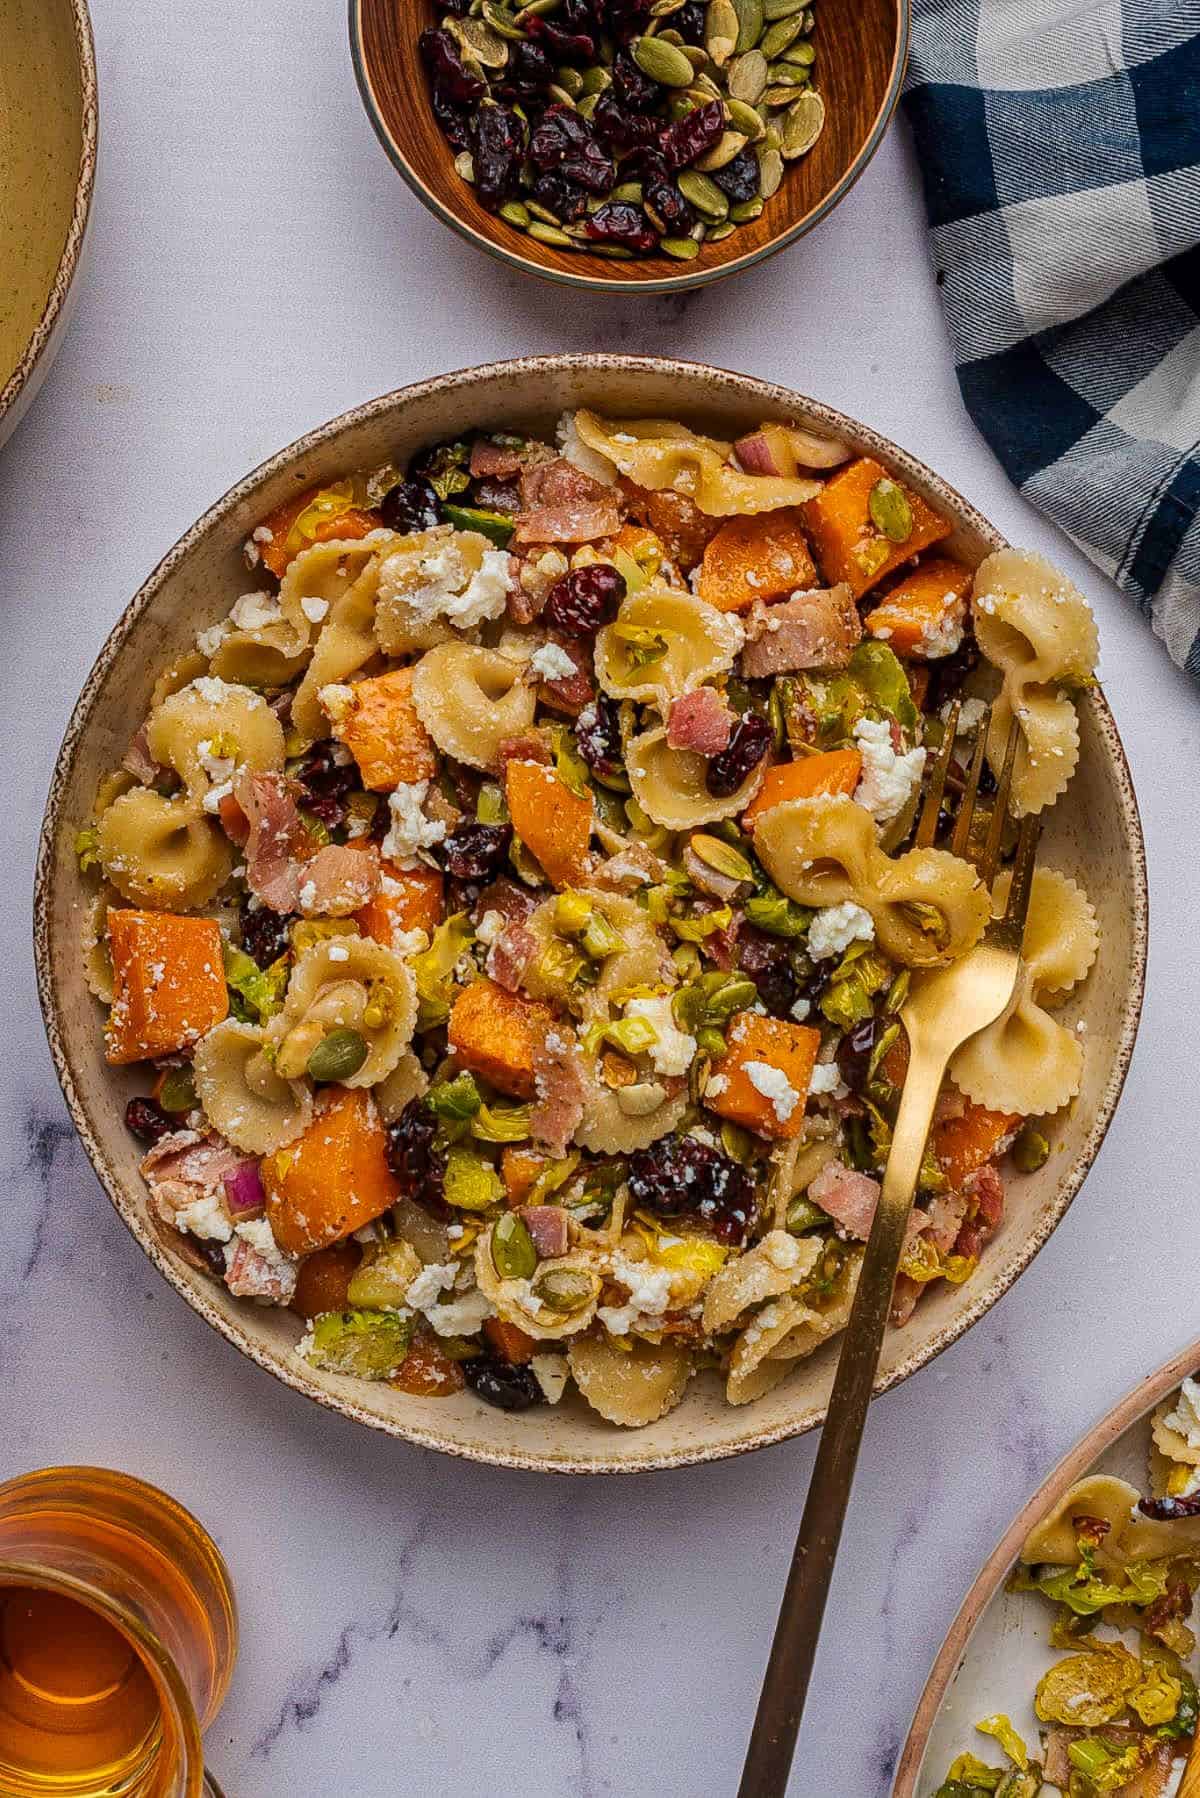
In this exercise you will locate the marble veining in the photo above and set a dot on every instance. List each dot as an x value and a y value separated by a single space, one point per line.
410 1622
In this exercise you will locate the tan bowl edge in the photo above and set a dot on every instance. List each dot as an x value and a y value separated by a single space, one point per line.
18 391
1075 1464
773 400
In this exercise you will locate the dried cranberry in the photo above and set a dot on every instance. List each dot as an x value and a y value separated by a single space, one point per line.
947 674
739 178
325 784
147 1121
689 21
564 46
626 18
410 506
417 1159
211 1253
688 138
598 737
455 124
620 222
583 600
855 1051
507 1385
681 1174
565 199
266 934
447 71
498 140
566 144
749 741
667 207
768 962
477 851
632 86
622 129
529 71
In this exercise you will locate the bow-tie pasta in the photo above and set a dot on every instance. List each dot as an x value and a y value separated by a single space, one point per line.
348 984
345 641
470 699
662 643
659 455
785 1331
633 1386
670 785
242 1093
267 638
210 729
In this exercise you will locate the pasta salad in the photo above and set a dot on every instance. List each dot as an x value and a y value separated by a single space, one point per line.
510 902
1117 1708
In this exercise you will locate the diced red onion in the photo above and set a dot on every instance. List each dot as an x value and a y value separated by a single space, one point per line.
244 1191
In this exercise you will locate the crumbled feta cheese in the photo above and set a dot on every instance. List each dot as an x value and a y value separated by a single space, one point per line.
674 1050
338 952
335 700
551 662
314 609
211 688
1185 1417
214 796
539 574
205 1217
406 943
888 779
649 1290
490 926
581 456
262 533
717 1084
826 1079
971 714
429 1284
307 896
835 927
773 1084
410 829
460 1317
781 1250
801 1009
945 634
259 1234
219 768
446 590
209 641
254 611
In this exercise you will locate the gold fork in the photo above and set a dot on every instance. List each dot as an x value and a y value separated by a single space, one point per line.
945 1007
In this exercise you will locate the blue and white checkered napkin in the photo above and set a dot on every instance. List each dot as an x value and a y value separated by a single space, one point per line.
1059 143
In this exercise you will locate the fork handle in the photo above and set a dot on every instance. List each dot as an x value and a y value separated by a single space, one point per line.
793 1651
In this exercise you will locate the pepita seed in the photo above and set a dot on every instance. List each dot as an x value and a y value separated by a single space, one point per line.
718 232
477 38
679 105
787 74
587 105
746 210
563 1289
503 22
745 119
772 135
770 172
666 36
337 1056
513 1254
890 511
594 81
538 211
804 53
727 146
628 190
662 9
550 234
803 125
559 93
663 62
747 76
536 8
515 213
779 96
750 23
464 166
781 9
572 81
704 89
683 249
613 252
722 856
703 194
697 55
777 37
721 26
699 230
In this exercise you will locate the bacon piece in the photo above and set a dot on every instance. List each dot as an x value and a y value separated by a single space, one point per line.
510 955
278 843
810 630
561 504
337 881
139 762
512 901
250 1275
571 692
629 866
496 460
676 519
547 1224
559 1084
700 721
946 1213
986 1188
526 746
849 1197
186 1166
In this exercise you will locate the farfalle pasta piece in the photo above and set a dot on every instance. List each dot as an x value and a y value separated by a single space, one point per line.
669 786
273 652
785 1331
657 454
772 1267
1036 627
1129 1536
211 728
469 699
97 961
163 853
1026 1062
347 983
407 1080
661 643
346 639
241 1093
631 1386
179 673
609 1128
641 960
433 580
823 852
571 1281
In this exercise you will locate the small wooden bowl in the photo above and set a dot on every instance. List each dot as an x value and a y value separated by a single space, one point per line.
861 55
996 1650
1093 834
48 123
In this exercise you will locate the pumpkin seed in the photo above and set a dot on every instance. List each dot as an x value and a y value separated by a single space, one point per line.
534 8
697 55
684 249
571 81
747 76
745 211
772 135
477 38
563 1289
587 105
727 146
550 234
699 230
890 511
559 93
745 119
663 62
640 1100
1030 1151
513 1254
715 853
779 96
503 22
178 1090
787 74
514 213
721 27
662 9
538 211
464 166
777 37
803 53
594 81
719 232
750 23
628 190
803 125
614 252
704 89
781 9
337 1056
770 172
704 194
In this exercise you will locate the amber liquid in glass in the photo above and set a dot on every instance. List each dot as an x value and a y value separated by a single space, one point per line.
78 1711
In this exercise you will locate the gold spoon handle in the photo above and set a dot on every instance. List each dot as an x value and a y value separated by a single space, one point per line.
793 1651
1189 1785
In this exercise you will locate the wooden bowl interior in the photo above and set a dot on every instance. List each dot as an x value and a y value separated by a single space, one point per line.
1093 836
858 52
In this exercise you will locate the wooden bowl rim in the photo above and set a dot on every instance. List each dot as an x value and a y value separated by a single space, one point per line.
772 398
45 332
1075 1465
529 262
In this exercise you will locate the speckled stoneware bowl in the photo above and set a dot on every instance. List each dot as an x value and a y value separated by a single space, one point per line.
47 169
1094 834
996 1649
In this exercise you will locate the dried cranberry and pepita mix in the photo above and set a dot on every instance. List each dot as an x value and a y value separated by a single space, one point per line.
625 127
1115 1572
509 905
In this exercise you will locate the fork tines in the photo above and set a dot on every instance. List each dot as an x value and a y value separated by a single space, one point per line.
985 859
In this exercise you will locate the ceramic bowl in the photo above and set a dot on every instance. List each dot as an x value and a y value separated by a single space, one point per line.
47 169
1094 835
996 1650
861 55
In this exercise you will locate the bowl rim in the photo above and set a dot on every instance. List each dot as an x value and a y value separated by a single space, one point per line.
53 315
659 284
1074 1465
772 398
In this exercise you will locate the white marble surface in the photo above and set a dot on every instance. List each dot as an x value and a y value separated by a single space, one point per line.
413 1624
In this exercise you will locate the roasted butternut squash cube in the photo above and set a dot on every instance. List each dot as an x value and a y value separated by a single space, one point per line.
922 617
288 534
333 1179
519 1168
493 1033
811 777
963 1144
409 899
849 544
168 983
761 1082
554 823
764 557
379 725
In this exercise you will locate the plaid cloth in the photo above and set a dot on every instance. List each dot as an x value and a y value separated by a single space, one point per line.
1059 143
